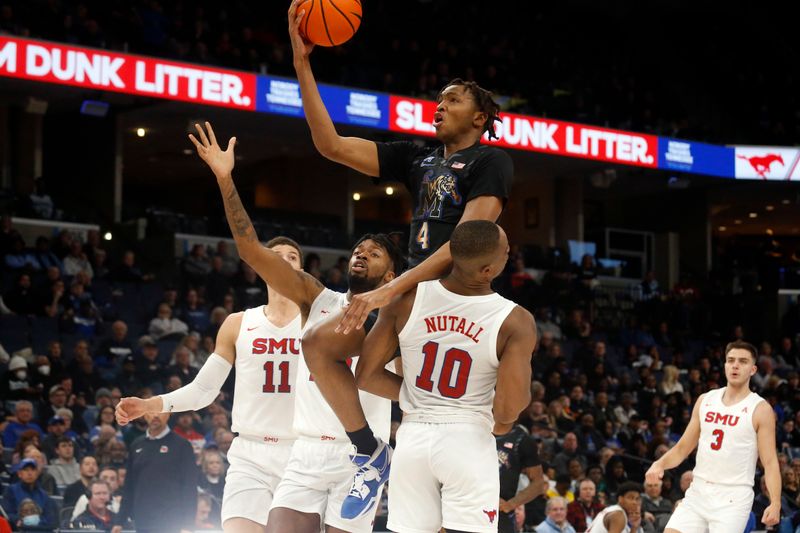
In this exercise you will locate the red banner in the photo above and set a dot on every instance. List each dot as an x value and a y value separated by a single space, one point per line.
110 71
409 115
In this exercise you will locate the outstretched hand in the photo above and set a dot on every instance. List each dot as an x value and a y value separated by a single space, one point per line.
129 409
221 163
360 307
300 46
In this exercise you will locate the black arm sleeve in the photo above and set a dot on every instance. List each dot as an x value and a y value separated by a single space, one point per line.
528 453
492 176
394 161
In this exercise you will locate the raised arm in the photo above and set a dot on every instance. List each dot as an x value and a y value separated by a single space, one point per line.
434 267
296 285
201 391
380 346
764 422
678 453
356 153
513 391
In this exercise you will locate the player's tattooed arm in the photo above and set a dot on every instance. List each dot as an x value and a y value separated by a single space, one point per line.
298 286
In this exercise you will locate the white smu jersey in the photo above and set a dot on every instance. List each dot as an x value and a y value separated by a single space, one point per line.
449 354
728 448
267 359
598 525
313 417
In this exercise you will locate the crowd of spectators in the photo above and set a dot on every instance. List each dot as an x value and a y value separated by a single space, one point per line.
574 61
80 331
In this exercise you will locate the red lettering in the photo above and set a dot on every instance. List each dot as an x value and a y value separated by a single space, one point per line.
719 418
293 346
277 345
475 337
453 320
259 346
430 323
461 324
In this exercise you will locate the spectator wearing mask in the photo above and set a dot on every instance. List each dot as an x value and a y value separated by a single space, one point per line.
19 384
27 488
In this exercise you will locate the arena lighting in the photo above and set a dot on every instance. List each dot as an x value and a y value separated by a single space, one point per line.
753 215
94 108
786 201
770 208
769 231
140 132
389 191
107 236
356 196
723 228
737 222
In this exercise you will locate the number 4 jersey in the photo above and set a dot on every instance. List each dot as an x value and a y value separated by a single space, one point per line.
267 359
728 448
449 354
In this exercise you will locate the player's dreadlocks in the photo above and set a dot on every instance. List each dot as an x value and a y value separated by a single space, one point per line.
483 99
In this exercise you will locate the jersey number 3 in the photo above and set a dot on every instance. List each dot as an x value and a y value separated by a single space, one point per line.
452 357
269 379
719 435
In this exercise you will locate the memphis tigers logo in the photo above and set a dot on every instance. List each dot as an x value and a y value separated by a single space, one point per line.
435 187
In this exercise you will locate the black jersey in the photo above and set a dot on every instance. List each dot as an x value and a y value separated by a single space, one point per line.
440 188
516 451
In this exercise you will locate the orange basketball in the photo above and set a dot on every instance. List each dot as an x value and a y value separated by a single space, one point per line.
329 22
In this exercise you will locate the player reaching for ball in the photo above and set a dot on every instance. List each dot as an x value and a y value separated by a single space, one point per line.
731 428
458 181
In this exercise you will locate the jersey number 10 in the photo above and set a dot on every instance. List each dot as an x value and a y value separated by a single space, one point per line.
452 357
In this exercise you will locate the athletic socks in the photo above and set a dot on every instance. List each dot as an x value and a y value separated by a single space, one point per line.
364 441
